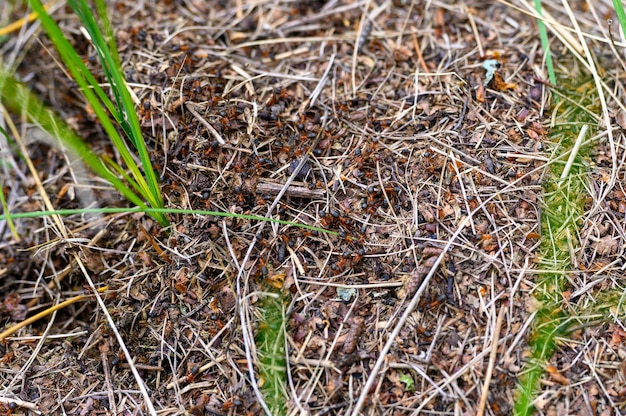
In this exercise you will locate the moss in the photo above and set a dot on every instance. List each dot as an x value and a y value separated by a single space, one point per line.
564 205
270 341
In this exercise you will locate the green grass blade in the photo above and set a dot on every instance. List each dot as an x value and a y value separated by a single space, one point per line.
123 113
621 15
545 44
74 63
3 201
148 210
9 218
105 56
89 86
565 197
18 99
99 29
117 168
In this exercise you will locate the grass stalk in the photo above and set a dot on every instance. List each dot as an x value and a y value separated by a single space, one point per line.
12 330
150 211
545 44
9 219
621 15
144 180
18 99
3 201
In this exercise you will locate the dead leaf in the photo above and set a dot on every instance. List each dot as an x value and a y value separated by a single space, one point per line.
402 54
480 94
499 84
334 384
135 293
445 211
556 376
620 119
181 280
426 212
533 236
605 246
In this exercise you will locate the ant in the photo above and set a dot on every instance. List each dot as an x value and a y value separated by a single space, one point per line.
214 97
325 221
232 403
342 263
305 234
358 256
191 374
209 151
281 147
392 190
240 197
297 152
359 240
261 268
279 94
341 108
441 299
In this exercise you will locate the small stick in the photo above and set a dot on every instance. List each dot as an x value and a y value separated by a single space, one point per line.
104 350
481 52
320 85
145 367
418 52
574 152
154 244
17 25
492 362
201 370
191 107
291 191
21 403
46 312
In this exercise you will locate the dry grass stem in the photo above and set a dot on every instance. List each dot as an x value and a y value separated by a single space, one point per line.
373 120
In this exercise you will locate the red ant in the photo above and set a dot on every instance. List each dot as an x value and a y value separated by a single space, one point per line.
282 147
240 197
279 94
341 264
232 403
358 256
191 374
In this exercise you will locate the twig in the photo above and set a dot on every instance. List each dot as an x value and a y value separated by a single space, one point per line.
200 370
44 313
291 191
20 403
104 350
492 361
470 17
120 340
192 109
320 85
574 152
355 54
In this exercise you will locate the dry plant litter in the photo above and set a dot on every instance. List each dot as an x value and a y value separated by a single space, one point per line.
371 119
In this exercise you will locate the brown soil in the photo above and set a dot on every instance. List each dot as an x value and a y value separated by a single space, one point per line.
381 120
